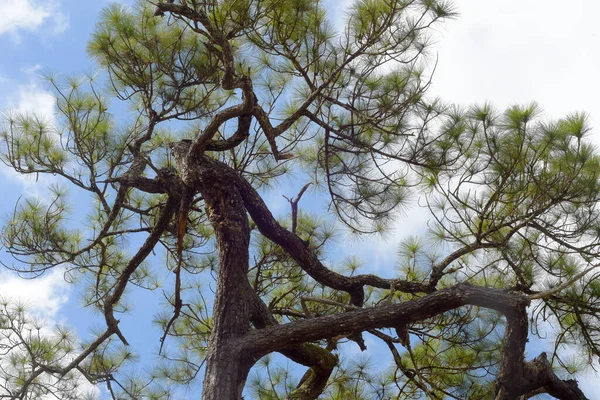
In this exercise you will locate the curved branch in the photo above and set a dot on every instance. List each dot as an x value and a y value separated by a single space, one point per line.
221 117
270 339
241 134
308 261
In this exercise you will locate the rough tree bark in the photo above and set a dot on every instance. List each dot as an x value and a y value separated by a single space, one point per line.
227 365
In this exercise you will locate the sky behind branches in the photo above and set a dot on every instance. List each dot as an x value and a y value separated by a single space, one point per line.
502 51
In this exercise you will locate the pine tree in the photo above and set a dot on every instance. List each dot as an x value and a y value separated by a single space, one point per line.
231 100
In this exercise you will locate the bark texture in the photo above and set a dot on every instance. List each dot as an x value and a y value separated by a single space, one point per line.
227 364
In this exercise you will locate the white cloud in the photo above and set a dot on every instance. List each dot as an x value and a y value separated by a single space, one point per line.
31 99
21 15
517 51
44 295
30 15
34 100
589 382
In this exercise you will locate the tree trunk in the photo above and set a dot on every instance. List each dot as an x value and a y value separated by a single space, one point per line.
226 366
226 371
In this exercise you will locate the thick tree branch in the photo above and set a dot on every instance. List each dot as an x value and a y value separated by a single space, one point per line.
241 134
144 184
221 117
226 367
275 338
297 249
516 377
542 375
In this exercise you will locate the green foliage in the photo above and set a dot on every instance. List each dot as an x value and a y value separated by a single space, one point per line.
512 200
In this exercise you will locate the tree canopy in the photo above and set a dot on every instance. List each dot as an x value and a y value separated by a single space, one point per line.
228 102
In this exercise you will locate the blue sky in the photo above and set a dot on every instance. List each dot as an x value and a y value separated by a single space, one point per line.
503 51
